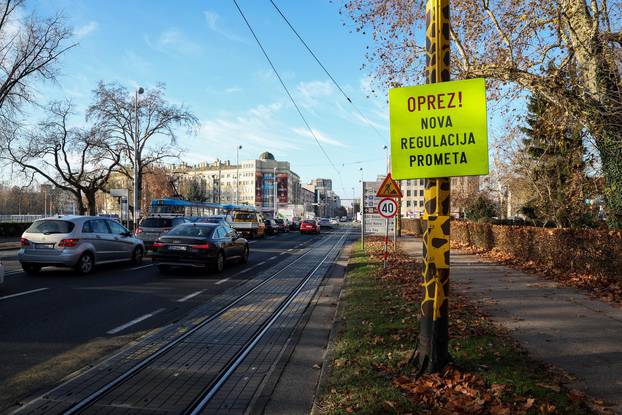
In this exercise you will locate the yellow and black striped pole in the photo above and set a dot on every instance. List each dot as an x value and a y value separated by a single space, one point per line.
432 353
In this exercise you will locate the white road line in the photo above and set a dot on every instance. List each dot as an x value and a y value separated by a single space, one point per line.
282 253
246 270
222 281
260 264
271 258
141 267
251 242
23 293
135 321
189 296
290 250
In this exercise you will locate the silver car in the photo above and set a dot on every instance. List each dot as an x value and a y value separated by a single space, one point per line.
80 242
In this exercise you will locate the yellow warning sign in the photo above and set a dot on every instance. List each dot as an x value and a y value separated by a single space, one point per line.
439 130
389 188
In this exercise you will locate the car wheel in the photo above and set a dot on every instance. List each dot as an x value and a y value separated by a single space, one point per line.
137 256
31 269
219 265
164 268
85 264
244 258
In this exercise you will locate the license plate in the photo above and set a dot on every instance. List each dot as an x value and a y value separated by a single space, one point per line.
177 248
44 246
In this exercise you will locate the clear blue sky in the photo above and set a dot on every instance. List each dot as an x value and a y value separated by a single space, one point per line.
209 61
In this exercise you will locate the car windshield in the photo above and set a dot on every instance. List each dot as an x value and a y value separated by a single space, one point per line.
308 222
157 223
245 216
199 231
50 226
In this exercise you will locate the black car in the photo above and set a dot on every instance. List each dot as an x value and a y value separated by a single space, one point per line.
199 245
271 227
282 226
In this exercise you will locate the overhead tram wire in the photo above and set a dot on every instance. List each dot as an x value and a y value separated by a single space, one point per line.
287 90
328 73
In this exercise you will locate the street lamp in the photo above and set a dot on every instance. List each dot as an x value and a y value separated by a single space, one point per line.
275 200
139 91
237 174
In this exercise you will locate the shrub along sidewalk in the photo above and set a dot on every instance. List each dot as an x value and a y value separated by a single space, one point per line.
370 370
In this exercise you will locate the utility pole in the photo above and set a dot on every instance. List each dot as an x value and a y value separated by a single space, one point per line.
362 211
237 174
136 158
275 195
432 353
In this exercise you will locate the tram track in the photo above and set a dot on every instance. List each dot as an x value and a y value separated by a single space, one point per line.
84 404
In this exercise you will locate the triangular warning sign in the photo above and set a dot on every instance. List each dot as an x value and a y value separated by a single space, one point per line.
389 188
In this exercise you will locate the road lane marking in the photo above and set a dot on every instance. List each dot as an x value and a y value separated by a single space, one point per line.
222 281
282 253
246 270
141 267
251 242
189 296
260 264
135 321
271 258
290 250
23 293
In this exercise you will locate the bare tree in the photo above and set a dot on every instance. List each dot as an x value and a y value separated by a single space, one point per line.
114 111
520 45
77 160
29 50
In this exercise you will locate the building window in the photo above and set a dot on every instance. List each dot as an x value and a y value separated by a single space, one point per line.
421 192
408 203
421 203
421 182
407 193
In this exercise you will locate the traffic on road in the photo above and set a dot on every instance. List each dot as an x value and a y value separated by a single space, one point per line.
76 312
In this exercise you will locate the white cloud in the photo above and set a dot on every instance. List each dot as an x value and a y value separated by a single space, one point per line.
257 130
323 138
86 29
233 89
173 41
310 93
214 22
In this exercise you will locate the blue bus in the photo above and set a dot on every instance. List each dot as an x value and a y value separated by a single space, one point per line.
190 209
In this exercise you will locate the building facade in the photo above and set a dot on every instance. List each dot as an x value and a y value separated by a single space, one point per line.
265 183
463 189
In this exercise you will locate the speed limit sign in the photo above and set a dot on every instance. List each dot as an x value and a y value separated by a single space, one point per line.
387 208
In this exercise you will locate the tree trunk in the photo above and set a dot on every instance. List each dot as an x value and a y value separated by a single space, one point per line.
91 202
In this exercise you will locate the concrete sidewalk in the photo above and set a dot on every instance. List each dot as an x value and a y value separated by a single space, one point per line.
560 326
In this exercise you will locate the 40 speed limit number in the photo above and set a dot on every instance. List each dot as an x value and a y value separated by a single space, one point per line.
387 207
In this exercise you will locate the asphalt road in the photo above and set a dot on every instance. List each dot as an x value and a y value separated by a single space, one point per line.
57 322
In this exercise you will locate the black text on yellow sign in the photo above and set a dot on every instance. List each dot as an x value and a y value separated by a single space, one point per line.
439 130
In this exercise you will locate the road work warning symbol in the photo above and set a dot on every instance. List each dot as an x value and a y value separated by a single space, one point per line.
439 130
389 188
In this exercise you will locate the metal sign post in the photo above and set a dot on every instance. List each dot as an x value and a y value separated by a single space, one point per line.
387 208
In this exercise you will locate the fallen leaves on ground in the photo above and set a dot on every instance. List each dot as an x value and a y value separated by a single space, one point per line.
455 390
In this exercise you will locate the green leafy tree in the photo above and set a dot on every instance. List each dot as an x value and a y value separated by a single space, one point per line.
554 160
194 192
482 207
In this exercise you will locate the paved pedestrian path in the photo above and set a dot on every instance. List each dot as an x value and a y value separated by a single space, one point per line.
560 326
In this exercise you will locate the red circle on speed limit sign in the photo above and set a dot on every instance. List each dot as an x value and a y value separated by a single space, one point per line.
387 207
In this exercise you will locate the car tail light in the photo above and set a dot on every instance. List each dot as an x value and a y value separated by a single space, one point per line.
138 231
24 242
68 243
202 246
158 245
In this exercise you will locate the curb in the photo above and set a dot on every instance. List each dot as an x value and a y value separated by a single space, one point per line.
329 354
